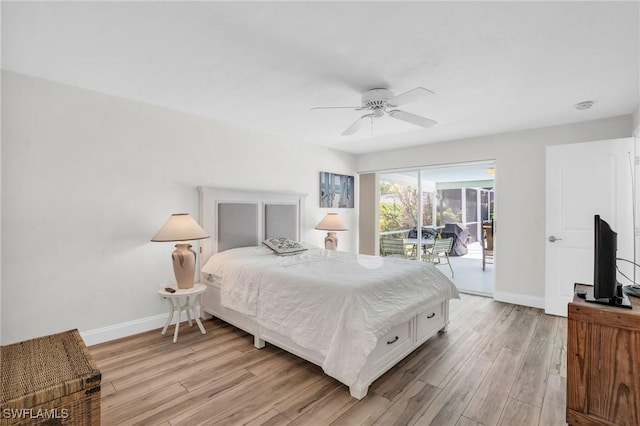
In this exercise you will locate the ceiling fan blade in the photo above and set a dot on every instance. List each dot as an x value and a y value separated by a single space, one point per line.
418 120
410 96
357 125
335 107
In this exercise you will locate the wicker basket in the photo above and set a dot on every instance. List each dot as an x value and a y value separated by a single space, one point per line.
49 380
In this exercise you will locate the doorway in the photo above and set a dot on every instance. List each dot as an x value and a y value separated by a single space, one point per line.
582 180
448 201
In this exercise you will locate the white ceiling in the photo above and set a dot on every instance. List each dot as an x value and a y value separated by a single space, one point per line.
494 66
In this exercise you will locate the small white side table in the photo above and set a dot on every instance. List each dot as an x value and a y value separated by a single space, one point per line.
192 301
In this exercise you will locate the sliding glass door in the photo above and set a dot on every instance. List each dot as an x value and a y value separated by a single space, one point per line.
416 206
398 207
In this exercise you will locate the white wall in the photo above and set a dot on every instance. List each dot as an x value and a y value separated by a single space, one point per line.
0 188
636 135
520 187
87 179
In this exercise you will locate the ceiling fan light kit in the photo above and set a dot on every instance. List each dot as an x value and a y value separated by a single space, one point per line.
379 103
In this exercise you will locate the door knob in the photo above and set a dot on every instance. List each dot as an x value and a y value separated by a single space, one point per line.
553 239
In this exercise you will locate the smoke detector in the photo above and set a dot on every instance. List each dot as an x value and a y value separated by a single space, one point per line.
583 105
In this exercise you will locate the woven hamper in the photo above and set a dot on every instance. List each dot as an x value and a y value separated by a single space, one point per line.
50 380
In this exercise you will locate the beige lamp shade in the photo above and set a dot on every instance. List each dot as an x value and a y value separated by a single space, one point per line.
331 223
182 228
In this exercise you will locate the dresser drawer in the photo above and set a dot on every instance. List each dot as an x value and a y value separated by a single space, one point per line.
396 340
429 321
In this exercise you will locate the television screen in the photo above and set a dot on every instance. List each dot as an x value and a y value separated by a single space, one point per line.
604 264
606 288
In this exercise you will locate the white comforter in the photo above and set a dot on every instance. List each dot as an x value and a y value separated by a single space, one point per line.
332 302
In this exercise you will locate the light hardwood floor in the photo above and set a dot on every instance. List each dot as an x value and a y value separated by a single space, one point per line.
498 364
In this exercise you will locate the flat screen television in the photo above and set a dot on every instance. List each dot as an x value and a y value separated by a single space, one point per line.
606 288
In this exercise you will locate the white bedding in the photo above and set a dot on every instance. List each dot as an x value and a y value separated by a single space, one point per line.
332 302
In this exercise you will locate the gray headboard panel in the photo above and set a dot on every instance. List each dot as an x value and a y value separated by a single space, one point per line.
241 218
281 220
237 225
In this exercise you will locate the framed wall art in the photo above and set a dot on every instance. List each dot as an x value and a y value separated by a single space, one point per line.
336 191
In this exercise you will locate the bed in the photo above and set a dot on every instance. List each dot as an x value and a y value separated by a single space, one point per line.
354 315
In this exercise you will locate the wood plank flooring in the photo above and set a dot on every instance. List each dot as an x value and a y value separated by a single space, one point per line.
498 364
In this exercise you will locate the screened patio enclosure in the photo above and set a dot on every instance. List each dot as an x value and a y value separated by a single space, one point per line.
437 200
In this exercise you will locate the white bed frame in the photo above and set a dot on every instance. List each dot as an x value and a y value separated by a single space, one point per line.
240 218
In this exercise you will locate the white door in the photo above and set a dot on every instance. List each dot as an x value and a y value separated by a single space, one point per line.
583 180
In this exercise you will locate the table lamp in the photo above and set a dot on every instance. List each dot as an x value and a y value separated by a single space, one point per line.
181 228
331 223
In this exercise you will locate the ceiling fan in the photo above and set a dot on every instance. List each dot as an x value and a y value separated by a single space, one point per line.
381 102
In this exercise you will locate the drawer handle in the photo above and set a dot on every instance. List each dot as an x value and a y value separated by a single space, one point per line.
391 342
433 314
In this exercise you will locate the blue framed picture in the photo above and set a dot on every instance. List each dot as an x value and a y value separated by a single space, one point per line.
336 191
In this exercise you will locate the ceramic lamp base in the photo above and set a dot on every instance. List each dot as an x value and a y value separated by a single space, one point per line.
184 265
331 241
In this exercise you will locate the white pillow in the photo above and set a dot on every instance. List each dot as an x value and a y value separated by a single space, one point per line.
284 246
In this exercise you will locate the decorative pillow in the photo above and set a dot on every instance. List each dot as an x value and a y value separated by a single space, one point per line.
284 246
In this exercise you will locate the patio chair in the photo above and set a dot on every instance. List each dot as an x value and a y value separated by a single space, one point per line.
487 243
439 251
396 246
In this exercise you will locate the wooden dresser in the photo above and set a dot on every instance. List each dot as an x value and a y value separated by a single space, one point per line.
603 364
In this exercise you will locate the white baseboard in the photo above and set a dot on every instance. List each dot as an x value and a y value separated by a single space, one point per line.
125 329
519 299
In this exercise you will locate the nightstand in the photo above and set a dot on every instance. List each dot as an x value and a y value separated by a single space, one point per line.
192 301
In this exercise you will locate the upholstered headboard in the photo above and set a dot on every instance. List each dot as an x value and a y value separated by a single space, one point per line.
242 218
